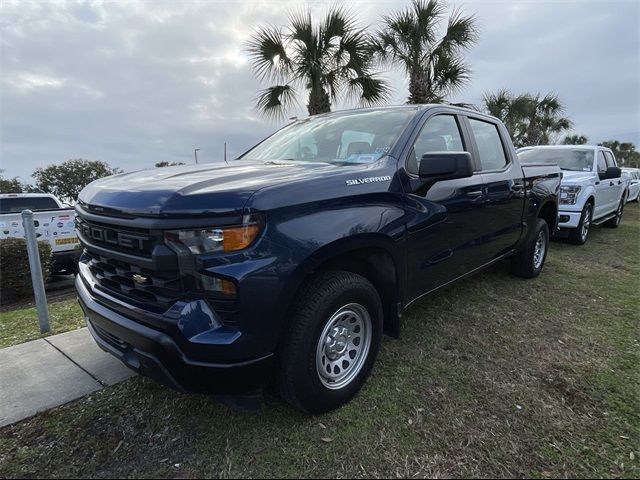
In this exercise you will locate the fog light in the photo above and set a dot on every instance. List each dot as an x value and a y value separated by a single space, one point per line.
220 285
195 318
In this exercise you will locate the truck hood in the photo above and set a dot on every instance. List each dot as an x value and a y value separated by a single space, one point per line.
571 177
201 189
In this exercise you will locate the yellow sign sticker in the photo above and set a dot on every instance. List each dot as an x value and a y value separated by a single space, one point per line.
66 241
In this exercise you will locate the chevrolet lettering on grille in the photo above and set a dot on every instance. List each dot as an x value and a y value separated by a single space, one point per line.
111 236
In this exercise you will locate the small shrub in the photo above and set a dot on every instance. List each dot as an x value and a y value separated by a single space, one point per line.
15 274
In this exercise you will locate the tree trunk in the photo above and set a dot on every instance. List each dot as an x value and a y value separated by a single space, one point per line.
319 101
419 88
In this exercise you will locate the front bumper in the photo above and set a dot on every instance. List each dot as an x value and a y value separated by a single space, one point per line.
569 219
65 260
155 354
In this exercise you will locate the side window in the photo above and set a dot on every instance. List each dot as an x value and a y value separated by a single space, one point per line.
610 160
440 134
490 149
602 163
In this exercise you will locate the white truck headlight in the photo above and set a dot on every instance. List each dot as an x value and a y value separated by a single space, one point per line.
569 194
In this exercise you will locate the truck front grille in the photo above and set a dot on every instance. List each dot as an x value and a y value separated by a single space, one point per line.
155 291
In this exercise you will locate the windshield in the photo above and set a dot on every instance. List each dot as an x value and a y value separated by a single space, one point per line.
574 159
344 138
18 204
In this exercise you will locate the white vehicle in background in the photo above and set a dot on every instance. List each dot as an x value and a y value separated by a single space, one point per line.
54 222
633 174
593 190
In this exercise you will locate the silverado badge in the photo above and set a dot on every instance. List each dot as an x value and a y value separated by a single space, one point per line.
360 181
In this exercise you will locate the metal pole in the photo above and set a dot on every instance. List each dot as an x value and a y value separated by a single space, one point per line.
195 153
36 270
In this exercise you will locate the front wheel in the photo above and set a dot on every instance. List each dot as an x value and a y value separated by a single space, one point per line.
615 221
579 235
529 261
330 343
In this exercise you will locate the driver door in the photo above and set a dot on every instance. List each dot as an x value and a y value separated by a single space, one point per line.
604 190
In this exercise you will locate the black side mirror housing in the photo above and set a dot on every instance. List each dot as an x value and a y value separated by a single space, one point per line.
439 166
612 172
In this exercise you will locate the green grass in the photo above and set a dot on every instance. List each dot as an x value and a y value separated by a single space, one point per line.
494 376
21 325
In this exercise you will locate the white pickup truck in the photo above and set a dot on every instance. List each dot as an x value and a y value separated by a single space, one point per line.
54 222
593 191
633 174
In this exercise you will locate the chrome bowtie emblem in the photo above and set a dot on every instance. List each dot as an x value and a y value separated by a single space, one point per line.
140 278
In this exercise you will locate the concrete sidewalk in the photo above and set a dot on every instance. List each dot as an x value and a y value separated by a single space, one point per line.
42 374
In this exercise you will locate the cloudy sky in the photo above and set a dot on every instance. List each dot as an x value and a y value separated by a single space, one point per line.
134 83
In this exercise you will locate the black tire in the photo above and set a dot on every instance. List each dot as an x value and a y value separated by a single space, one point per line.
615 221
297 376
578 236
527 263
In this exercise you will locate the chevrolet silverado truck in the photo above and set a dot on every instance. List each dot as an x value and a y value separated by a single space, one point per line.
285 267
593 191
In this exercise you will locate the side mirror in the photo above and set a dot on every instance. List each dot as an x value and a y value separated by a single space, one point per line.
438 166
612 172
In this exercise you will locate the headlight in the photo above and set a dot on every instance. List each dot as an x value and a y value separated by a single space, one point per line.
216 239
569 194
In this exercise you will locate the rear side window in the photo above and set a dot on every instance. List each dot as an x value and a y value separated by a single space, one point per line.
18 204
602 163
490 148
610 160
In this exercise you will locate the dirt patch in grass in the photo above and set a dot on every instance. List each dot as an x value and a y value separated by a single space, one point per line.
494 376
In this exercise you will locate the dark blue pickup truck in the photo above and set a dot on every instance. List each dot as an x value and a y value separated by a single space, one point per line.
284 267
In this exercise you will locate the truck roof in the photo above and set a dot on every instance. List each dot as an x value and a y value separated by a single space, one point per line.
418 107
22 195
591 147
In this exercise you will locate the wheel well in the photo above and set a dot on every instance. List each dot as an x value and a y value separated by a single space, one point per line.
592 201
377 266
549 213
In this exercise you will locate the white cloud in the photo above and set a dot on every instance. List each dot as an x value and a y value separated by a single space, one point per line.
136 83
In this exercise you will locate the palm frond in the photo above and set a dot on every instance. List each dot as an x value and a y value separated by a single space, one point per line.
272 102
268 53
368 89
462 32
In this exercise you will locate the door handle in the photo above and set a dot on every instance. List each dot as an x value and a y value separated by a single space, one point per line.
611 184
474 194
619 182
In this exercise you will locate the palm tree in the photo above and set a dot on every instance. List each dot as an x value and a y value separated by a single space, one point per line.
575 140
434 67
625 152
530 119
324 60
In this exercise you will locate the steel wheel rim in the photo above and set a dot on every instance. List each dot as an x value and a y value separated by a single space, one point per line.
539 250
586 223
343 346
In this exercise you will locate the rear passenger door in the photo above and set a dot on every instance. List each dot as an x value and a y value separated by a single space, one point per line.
503 187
